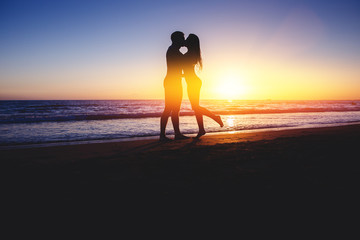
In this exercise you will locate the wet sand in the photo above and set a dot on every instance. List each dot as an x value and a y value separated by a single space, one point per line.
298 168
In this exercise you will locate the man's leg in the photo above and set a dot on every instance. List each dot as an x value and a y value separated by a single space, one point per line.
176 124
163 122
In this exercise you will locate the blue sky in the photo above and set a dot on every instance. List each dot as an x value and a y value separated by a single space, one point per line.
48 46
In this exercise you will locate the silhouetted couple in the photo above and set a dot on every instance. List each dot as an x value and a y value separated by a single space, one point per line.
177 64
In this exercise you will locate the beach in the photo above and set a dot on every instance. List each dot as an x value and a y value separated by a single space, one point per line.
304 164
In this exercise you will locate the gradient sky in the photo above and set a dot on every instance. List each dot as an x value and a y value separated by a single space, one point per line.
258 49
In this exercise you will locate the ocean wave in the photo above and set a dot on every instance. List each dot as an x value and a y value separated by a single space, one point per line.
77 130
6 119
36 119
87 110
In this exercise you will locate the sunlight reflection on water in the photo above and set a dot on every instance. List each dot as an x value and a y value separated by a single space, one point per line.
64 126
230 121
125 128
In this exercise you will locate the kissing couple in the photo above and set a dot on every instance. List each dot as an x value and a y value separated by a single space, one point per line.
178 66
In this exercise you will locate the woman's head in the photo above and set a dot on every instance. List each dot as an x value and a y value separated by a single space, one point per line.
192 43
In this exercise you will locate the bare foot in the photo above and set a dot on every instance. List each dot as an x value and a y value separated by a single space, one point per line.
219 121
180 137
164 139
201 133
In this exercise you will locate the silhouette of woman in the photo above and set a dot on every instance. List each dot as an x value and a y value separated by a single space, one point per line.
192 59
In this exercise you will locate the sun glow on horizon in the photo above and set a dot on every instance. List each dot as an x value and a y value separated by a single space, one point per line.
231 86
253 51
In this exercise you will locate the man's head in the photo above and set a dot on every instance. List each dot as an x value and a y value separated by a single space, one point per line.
178 38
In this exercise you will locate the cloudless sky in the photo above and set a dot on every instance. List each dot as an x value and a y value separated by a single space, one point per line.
258 49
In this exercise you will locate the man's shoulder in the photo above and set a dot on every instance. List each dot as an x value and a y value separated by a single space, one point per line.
174 52
171 49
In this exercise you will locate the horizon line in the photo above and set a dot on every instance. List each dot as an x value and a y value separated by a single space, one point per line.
186 99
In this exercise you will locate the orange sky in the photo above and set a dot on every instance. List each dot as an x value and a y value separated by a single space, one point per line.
274 51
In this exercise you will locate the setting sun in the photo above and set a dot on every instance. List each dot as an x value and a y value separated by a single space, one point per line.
231 87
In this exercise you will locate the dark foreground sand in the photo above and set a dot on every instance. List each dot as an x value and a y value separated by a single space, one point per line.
297 169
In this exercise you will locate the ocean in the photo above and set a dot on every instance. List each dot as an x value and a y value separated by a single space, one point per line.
68 121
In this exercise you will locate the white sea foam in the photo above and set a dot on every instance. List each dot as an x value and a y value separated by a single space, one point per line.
27 122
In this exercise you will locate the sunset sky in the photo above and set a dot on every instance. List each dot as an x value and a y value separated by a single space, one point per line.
256 49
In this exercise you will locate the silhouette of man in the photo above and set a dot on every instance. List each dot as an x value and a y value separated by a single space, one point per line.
173 86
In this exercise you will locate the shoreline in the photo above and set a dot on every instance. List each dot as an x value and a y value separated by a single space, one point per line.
131 139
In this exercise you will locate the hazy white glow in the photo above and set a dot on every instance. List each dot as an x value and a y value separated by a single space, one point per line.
231 86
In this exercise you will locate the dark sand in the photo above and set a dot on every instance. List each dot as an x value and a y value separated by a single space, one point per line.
298 169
